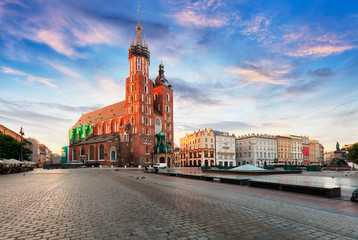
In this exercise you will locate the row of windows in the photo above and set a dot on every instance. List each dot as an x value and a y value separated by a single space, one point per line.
106 128
145 88
258 142
134 108
145 63
248 154
91 155
167 97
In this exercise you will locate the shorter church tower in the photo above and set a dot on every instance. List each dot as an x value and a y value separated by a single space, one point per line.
163 103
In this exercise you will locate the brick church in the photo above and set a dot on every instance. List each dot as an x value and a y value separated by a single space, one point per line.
136 131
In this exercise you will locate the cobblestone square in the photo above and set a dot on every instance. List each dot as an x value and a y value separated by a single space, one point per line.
129 204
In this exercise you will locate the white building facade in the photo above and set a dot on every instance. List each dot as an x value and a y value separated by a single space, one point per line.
225 149
296 149
256 149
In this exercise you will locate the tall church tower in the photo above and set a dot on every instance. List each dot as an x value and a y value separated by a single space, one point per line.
139 98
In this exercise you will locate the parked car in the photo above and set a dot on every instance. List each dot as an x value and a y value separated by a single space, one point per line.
160 165
354 197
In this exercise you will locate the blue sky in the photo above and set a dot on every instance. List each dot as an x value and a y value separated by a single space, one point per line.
277 67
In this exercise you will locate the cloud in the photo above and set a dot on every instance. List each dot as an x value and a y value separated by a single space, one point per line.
230 126
63 69
201 14
58 106
30 78
319 50
265 71
321 72
302 88
194 93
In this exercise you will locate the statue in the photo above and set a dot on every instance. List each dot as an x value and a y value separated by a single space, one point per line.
337 146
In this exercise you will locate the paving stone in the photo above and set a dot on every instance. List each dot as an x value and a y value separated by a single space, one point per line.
73 204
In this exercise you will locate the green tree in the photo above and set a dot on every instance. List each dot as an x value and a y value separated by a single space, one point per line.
353 153
10 148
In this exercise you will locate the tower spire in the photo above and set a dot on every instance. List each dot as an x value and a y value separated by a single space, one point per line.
139 31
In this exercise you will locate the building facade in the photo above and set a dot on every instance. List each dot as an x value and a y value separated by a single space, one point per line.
224 149
198 148
256 149
284 150
296 149
123 134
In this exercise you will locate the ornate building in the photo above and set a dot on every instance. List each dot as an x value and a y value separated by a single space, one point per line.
256 149
124 133
197 149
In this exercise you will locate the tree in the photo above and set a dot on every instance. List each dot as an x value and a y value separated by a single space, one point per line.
10 148
353 153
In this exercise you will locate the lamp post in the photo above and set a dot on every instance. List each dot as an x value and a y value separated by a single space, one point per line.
21 134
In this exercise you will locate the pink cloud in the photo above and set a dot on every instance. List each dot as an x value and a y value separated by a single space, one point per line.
189 17
30 78
320 50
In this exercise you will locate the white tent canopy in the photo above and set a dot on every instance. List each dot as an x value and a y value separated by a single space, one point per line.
11 161
247 167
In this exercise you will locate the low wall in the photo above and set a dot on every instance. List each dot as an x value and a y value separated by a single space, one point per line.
257 173
311 190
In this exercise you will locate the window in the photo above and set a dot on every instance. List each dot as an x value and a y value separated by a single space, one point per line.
107 128
91 152
146 110
146 120
132 78
145 90
99 130
155 96
74 154
168 98
132 88
138 64
101 151
145 77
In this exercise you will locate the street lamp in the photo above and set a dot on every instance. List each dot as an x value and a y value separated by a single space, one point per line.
21 134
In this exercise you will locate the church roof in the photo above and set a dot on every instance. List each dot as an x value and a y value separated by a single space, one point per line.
97 139
101 114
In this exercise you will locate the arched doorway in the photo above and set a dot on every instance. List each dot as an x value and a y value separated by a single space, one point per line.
168 162
190 163
194 162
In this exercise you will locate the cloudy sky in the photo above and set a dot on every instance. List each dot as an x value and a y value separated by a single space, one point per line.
277 67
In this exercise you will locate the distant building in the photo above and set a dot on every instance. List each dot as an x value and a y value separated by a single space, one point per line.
198 148
296 149
176 157
10 132
224 149
284 150
256 149
35 148
305 150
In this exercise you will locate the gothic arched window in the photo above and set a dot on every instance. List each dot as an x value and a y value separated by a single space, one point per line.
82 150
101 152
91 150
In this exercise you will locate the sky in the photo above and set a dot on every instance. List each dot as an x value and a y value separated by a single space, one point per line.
242 66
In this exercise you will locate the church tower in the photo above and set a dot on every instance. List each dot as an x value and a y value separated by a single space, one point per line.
139 99
163 102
